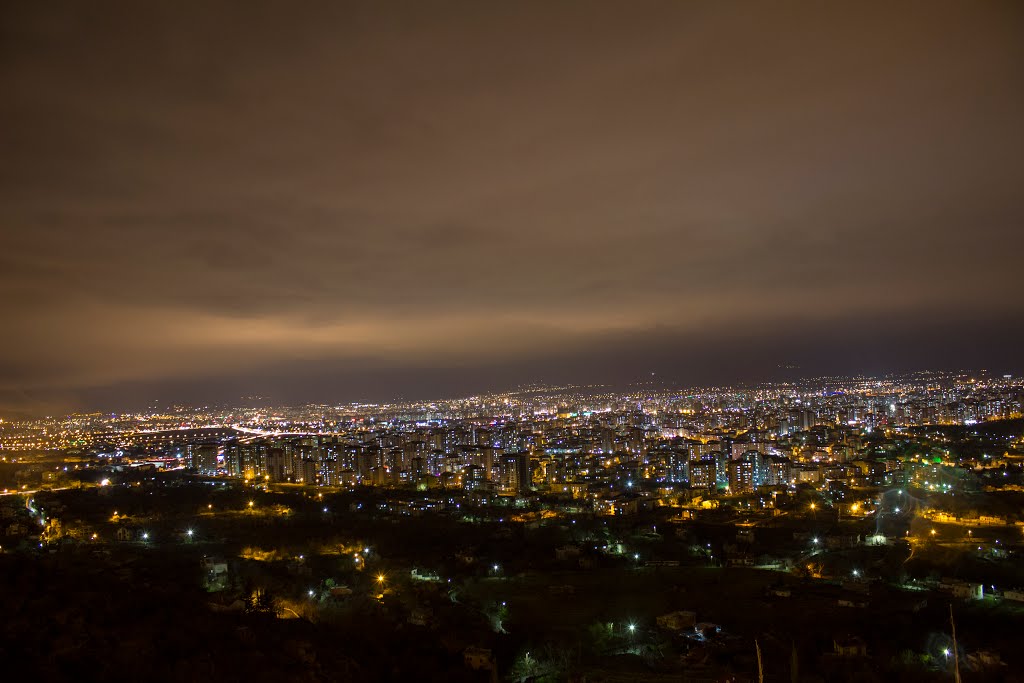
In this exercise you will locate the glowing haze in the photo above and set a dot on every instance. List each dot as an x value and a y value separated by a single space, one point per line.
354 200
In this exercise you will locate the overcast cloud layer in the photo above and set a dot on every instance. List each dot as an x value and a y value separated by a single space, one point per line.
340 201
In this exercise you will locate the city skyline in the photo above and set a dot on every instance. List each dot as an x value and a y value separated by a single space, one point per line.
352 202
365 341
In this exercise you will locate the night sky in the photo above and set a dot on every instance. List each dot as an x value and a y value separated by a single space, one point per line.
356 201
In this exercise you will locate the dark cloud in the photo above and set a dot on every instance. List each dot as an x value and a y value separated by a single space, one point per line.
196 194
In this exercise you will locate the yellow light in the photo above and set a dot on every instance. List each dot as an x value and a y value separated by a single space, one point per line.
380 578
251 503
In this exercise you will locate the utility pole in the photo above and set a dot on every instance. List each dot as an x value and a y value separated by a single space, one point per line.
956 653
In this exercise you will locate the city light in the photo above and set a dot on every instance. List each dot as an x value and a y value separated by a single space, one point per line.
547 282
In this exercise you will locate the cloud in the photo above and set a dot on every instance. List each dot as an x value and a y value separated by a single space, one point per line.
211 188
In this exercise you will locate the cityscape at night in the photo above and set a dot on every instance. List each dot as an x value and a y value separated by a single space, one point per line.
546 341
546 532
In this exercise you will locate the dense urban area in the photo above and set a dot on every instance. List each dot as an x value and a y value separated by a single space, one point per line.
842 529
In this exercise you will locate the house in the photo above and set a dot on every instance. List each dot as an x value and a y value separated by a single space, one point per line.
984 660
420 616
214 566
418 574
478 658
850 646
848 602
842 541
567 552
964 590
124 534
678 620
